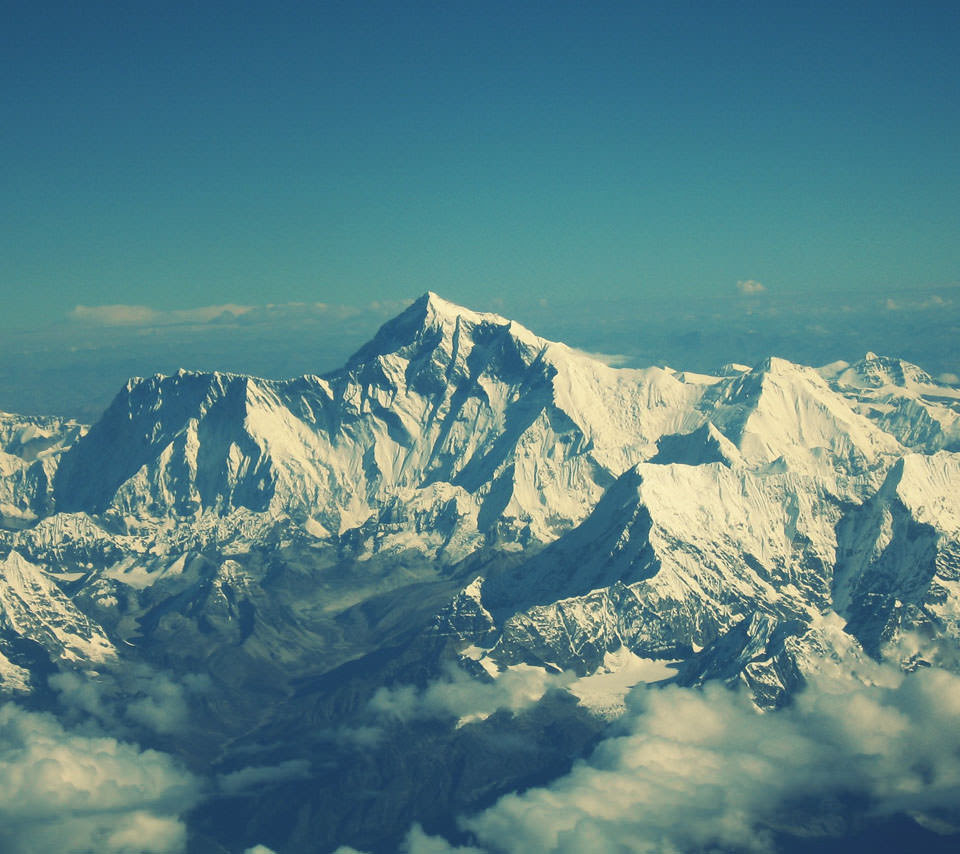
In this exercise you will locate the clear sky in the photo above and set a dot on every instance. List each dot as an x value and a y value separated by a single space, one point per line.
184 154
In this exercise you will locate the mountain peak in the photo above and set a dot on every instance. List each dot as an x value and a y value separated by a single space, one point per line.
431 320
776 365
436 306
877 372
435 310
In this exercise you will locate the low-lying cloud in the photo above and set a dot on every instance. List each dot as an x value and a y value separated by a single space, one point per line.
702 769
463 697
418 842
144 315
62 792
131 698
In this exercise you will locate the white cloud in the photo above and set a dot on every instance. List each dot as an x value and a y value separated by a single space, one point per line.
934 301
418 842
949 378
66 793
750 286
144 833
163 709
137 695
702 768
142 315
465 698
113 315
613 360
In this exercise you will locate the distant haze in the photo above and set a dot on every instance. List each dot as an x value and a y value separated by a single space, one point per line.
76 366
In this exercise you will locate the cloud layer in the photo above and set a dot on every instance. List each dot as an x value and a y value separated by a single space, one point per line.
64 793
463 697
130 698
122 314
701 769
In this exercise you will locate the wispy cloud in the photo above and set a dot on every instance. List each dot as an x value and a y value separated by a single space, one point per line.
613 360
146 316
750 286
253 777
131 699
143 315
934 301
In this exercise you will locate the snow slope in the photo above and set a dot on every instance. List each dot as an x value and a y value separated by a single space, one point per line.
30 447
33 606
717 521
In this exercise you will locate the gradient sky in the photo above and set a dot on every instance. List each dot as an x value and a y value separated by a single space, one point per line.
178 155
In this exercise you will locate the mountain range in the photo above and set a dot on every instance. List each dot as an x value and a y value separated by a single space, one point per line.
469 538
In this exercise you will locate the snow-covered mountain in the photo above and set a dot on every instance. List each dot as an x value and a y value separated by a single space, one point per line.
899 559
450 426
465 493
669 506
448 431
34 609
904 400
30 448
679 503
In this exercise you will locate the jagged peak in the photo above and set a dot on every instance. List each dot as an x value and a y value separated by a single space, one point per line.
733 369
218 380
772 372
902 371
443 310
172 398
15 560
516 329
433 320
438 311
925 485
186 373
777 365
876 371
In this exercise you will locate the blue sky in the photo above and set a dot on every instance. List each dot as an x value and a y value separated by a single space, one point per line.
185 154
583 167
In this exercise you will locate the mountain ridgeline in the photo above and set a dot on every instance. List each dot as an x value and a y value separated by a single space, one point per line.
465 494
